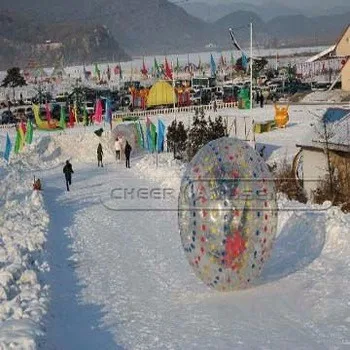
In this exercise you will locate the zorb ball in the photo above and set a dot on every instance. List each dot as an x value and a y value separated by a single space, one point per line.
227 214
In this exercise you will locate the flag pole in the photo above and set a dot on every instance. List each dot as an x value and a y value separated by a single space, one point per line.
174 95
251 65
251 83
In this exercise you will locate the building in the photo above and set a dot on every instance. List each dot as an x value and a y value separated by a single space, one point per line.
332 133
332 63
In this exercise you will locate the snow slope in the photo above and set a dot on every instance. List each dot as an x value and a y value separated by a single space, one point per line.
23 229
131 265
119 279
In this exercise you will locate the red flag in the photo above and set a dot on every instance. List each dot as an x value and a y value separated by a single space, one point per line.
148 121
98 112
23 127
71 118
168 71
144 70
48 112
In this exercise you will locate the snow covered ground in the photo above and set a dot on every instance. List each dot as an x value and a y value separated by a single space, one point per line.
23 231
115 272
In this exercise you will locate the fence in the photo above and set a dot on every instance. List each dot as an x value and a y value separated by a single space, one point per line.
7 126
165 111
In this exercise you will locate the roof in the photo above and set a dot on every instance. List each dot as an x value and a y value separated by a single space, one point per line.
322 54
342 34
345 64
338 129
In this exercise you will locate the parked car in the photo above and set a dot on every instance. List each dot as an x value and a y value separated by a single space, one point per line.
7 117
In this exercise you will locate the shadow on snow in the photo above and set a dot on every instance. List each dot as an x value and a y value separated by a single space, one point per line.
70 324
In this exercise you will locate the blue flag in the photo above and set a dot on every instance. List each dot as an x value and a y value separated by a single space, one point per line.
212 66
160 138
108 113
8 148
244 61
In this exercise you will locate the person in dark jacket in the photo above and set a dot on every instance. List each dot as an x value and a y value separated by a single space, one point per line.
261 100
99 155
127 152
68 171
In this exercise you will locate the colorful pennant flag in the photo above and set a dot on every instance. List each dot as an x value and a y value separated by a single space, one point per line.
168 70
212 66
8 148
244 61
29 133
97 72
144 70
161 136
18 142
98 112
62 118
153 132
48 112
108 115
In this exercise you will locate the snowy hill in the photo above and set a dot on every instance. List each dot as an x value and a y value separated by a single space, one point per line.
116 271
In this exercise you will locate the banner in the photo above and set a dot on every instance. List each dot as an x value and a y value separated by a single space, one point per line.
161 135
8 148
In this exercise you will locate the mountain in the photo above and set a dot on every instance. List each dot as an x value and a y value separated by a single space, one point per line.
211 12
93 30
239 22
302 30
142 27
23 40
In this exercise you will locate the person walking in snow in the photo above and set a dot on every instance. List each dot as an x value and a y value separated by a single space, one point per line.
127 154
68 171
261 100
118 147
99 155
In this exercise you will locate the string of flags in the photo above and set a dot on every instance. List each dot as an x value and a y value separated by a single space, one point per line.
150 137
24 135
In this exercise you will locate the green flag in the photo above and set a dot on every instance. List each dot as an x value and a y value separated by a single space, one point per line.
139 137
154 136
62 118
18 142
233 62
85 117
29 132
156 67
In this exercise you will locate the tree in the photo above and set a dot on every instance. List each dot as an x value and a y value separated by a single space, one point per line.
176 139
203 131
197 135
258 66
291 71
216 129
13 79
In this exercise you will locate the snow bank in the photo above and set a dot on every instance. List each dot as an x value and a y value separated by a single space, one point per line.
333 96
23 228
52 149
167 173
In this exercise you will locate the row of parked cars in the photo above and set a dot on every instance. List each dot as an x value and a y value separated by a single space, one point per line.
14 115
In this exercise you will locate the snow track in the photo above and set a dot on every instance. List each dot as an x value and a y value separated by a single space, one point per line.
131 266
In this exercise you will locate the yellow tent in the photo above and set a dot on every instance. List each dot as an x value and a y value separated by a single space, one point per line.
161 93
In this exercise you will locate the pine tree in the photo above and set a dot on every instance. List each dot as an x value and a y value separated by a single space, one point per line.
203 131
13 79
216 129
176 139
197 135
